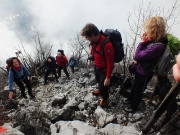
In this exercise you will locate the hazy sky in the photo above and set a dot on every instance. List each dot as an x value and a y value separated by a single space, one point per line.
61 20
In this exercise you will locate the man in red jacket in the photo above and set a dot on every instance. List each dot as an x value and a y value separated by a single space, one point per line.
62 63
104 63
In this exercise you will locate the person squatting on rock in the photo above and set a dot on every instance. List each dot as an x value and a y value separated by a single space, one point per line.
8 65
103 63
72 63
50 66
146 57
18 73
62 63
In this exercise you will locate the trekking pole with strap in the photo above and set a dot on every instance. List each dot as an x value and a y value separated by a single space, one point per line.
162 107
175 118
163 128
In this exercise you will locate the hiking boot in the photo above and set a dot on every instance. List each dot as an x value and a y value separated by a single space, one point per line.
149 101
103 102
24 96
126 101
129 110
32 96
96 92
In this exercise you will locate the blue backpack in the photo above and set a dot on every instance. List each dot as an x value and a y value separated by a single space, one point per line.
72 62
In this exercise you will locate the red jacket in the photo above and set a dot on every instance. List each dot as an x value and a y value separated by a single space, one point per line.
61 61
107 62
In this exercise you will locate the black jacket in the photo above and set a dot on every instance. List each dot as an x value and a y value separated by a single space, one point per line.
49 65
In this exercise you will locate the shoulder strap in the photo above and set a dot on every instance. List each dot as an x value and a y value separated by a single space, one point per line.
102 46
151 44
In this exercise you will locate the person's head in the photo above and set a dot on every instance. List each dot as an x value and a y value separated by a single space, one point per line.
49 59
90 32
59 54
15 62
155 28
61 51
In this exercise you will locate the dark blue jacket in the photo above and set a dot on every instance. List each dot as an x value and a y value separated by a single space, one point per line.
19 75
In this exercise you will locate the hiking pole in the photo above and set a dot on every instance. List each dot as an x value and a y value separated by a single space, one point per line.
167 125
174 119
162 107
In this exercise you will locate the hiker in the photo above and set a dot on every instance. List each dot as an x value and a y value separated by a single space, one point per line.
62 63
103 63
50 65
72 63
146 57
176 69
18 73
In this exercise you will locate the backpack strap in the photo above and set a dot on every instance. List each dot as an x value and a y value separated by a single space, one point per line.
151 44
107 39
102 46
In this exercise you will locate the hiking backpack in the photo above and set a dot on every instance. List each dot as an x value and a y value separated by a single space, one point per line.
8 63
73 62
114 36
167 60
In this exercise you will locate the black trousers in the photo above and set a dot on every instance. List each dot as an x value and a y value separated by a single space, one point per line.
53 71
21 86
72 68
64 69
138 89
100 77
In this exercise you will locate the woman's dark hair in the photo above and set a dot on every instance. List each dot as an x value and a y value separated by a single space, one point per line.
11 61
62 52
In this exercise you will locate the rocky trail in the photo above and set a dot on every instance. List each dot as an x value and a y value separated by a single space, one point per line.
69 108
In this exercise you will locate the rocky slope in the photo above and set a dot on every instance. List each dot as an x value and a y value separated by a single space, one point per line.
69 108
